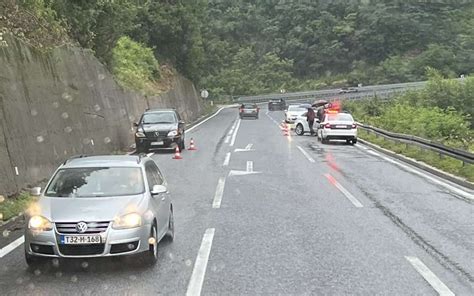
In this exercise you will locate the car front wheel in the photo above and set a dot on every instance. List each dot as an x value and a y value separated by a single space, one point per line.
170 232
299 129
151 255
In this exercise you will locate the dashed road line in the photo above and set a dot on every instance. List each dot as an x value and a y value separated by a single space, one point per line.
344 191
227 159
250 166
232 142
306 154
200 266
12 246
219 193
429 276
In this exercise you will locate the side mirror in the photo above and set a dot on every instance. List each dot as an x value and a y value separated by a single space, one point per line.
181 122
36 191
318 121
135 124
158 189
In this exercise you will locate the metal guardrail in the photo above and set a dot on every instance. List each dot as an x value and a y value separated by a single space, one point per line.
363 92
464 156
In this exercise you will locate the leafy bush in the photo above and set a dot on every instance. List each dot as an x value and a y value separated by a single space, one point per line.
135 65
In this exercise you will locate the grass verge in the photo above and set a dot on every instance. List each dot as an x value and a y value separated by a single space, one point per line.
13 206
444 163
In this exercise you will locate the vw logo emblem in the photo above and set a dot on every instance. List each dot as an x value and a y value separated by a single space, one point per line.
81 227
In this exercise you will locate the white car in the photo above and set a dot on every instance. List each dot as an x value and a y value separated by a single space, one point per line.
302 126
338 126
293 112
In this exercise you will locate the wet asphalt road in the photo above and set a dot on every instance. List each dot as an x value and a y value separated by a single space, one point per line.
287 228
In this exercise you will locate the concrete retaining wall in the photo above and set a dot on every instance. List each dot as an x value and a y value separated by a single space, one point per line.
62 103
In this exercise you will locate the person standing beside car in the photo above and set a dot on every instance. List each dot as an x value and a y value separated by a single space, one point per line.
310 116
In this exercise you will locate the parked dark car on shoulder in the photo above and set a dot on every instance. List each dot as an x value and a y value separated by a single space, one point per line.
159 128
277 105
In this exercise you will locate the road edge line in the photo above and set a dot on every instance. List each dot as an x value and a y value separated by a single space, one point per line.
306 154
12 246
344 191
420 165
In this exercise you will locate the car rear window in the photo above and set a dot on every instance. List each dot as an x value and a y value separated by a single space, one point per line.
250 106
96 182
340 117
296 108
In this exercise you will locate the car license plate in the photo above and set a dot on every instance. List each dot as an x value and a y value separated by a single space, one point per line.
341 126
80 239
248 111
157 143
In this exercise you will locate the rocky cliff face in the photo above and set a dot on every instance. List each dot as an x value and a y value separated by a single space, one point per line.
64 102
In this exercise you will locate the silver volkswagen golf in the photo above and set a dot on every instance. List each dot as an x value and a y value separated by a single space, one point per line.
97 206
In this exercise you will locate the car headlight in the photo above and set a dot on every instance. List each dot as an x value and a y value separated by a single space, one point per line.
173 133
39 223
140 134
131 220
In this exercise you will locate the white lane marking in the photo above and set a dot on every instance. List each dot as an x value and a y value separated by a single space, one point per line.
212 116
227 159
150 154
232 142
219 193
246 149
227 139
344 191
249 166
305 154
271 118
421 174
241 173
200 266
12 246
429 276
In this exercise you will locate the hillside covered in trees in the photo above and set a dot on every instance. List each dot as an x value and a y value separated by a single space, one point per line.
239 47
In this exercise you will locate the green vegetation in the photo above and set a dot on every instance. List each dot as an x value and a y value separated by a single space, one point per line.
134 65
446 164
240 47
14 206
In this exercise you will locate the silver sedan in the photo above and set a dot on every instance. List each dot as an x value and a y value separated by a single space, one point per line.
100 206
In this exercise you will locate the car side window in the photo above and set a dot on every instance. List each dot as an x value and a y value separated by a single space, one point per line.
157 173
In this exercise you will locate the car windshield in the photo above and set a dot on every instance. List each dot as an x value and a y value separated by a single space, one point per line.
250 106
159 117
96 182
340 117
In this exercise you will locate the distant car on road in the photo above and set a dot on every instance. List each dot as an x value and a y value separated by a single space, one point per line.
249 110
346 90
100 206
276 105
159 128
337 126
293 111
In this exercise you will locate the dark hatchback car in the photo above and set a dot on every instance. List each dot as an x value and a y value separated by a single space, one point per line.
159 128
277 105
249 110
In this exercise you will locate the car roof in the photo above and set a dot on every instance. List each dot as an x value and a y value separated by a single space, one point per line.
106 161
160 110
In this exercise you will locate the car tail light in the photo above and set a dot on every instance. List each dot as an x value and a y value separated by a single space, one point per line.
354 125
327 125
258 109
241 110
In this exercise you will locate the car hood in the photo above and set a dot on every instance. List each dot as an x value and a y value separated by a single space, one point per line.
159 127
60 209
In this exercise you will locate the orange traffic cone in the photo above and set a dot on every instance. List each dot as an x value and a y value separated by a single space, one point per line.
177 154
191 145
285 131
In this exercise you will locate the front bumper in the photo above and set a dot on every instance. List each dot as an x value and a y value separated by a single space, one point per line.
114 243
148 141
